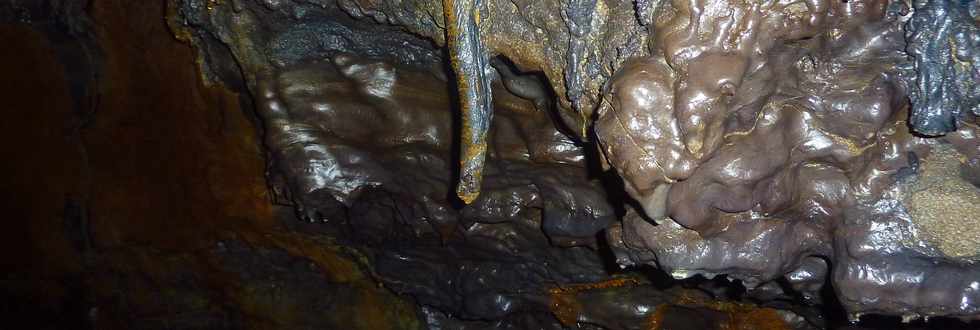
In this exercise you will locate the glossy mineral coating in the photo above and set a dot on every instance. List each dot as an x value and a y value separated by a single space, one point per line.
469 60
794 150
944 42
777 143
366 143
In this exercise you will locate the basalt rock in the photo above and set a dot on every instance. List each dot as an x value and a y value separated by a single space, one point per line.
797 149
461 145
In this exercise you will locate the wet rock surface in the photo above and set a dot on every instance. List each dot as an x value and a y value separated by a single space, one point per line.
488 164
792 150
763 141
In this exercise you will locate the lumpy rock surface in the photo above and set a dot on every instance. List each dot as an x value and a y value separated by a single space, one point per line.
783 144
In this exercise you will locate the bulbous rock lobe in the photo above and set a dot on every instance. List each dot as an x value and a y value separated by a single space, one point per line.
639 135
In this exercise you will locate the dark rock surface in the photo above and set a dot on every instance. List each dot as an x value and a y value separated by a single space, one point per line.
944 40
491 164
766 142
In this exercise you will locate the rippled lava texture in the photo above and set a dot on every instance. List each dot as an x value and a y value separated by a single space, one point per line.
487 164
773 142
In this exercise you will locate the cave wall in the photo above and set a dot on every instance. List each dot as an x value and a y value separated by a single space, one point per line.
135 194
307 164
756 140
